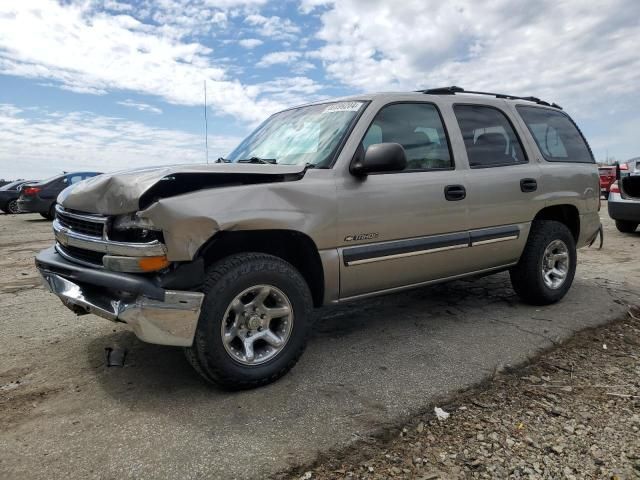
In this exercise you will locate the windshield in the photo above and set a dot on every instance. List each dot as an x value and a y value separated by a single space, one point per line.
300 136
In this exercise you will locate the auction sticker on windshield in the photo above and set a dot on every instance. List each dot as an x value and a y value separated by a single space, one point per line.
343 107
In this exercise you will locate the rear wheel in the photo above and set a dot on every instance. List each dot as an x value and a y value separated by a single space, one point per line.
547 266
626 227
12 207
254 322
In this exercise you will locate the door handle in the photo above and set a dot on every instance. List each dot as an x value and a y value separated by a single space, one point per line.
455 192
528 185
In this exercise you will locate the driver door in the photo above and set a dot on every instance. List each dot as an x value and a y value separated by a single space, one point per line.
398 229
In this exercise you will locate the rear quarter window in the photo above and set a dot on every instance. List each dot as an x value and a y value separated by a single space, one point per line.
557 137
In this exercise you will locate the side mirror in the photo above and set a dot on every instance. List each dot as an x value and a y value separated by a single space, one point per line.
380 157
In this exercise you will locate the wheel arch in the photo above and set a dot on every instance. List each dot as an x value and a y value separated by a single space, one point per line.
564 213
295 247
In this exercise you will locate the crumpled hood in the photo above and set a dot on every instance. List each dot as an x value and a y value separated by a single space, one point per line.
131 190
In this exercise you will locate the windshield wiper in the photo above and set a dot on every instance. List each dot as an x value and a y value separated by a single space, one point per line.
268 161
223 160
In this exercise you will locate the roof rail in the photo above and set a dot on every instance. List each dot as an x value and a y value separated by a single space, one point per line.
453 90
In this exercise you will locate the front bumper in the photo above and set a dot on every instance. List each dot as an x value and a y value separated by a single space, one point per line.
156 315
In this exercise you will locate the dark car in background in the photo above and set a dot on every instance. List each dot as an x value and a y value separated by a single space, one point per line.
41 197
9 194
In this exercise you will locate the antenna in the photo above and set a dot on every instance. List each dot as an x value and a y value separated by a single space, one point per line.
206 125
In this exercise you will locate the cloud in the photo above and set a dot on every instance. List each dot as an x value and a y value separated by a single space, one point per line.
182 18
48 142
273 27
308 6
556 50
250 42
287 57
275 58
85 51
143 107
117 6
292 90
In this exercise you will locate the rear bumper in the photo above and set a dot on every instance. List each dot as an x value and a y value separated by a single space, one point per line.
156 315
34 205
626 211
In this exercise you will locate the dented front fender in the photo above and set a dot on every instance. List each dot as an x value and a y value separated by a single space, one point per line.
191 219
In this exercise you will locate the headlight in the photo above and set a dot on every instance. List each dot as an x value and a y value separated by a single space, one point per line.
132 228
133 222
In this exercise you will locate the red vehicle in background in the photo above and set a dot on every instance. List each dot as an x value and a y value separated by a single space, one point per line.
607 177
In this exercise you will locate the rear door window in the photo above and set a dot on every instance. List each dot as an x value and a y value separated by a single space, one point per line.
75 178
489 137
557 137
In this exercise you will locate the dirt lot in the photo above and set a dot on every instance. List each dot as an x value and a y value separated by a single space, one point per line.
370 365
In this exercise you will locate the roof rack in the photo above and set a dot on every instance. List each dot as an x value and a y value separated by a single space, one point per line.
453 90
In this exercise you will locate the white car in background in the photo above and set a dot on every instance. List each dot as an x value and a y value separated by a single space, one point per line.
624 198
633 166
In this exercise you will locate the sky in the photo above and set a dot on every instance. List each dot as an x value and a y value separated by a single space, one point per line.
107 84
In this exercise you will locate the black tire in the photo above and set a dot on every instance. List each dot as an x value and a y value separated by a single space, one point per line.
51 214
225 280
527 276
606 195
626 227
12 207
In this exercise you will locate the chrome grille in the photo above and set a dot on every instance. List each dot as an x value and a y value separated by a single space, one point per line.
81 255
91 225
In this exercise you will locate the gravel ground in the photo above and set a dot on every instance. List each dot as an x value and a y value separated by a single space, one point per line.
573 413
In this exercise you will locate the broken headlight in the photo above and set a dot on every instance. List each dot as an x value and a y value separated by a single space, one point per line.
128 222
132 228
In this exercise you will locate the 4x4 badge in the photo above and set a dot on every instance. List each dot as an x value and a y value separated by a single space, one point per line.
361 236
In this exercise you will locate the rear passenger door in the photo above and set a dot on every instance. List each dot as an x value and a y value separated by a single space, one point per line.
502 185
398 228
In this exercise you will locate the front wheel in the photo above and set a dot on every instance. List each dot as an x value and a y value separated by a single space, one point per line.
626 227
254 323
547 266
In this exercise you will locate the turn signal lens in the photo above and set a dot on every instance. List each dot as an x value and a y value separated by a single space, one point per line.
151 264
117 263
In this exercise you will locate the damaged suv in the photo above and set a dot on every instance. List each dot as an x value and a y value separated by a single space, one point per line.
323 204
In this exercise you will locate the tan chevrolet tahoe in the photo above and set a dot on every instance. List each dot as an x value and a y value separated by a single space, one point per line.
323 204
